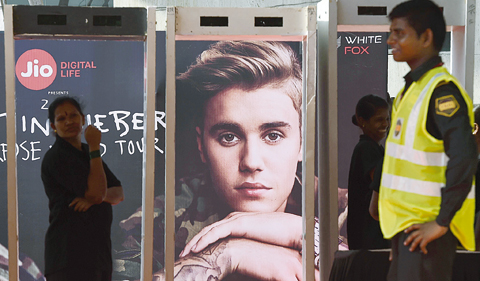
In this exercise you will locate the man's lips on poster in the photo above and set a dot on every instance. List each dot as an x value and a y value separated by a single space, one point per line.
252 189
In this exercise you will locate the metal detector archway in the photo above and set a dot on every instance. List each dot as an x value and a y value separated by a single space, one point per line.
67 23
217 24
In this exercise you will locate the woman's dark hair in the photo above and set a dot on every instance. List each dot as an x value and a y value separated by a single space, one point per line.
367 106
59 101
422 15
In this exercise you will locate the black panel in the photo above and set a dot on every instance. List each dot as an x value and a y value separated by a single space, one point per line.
52 19
213 21
372 10
269 21
107 20
96 21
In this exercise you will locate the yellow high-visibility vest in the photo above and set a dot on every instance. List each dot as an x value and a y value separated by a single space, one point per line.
415 164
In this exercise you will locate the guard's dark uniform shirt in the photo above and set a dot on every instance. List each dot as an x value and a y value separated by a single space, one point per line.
459 143
74 239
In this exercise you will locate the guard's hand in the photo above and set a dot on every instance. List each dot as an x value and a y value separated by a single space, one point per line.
81 204
422 234
93 136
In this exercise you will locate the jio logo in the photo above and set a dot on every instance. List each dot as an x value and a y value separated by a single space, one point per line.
36 69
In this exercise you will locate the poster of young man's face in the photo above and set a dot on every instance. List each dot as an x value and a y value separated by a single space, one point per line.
238 125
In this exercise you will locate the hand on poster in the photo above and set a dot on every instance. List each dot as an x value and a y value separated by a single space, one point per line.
80 204
265 261
249 258
275 228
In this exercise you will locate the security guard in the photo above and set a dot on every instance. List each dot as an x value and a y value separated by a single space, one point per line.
426 200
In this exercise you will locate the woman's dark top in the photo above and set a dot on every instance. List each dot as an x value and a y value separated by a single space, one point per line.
74 239
363 232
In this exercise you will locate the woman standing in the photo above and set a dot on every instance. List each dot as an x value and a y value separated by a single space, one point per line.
81 191
372 116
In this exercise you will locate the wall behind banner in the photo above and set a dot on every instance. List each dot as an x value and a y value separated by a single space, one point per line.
107 76
362 70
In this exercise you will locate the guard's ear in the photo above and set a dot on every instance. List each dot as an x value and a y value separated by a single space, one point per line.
475 128
53 126
427 37
200 144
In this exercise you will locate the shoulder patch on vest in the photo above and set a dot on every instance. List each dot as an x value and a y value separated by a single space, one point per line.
398 128
446 106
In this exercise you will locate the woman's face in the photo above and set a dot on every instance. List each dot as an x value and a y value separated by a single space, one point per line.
251 143
68 122
377 126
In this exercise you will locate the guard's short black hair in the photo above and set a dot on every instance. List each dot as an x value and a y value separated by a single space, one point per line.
422 15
